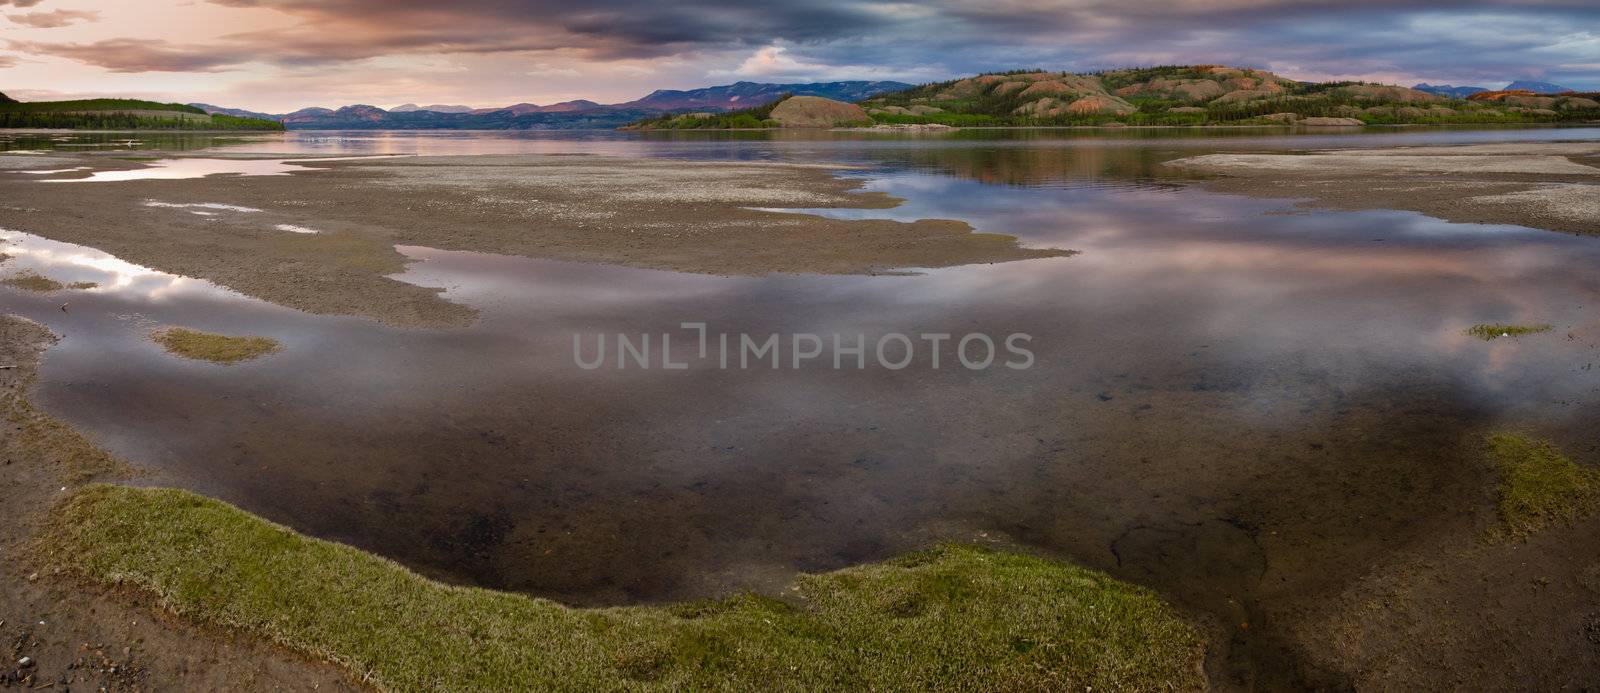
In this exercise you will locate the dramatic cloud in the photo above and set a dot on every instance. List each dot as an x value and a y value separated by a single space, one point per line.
604 28
484 51
53 20
1465 38
136 55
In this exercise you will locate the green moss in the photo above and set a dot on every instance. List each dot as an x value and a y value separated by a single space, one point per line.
1492 331
217 348
953 618
1539 486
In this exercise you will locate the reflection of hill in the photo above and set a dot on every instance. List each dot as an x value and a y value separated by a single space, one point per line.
1032 165
83 141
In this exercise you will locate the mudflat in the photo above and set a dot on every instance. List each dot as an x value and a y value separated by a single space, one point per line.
322 240
1554 185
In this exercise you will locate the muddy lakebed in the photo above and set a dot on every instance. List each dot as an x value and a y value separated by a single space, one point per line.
1247 405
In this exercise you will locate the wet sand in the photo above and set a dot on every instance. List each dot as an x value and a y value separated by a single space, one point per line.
1553 186
239 231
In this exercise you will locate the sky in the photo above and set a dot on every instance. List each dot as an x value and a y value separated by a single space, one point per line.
281 55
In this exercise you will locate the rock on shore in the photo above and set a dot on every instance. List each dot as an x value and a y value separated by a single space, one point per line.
817 112
1336 122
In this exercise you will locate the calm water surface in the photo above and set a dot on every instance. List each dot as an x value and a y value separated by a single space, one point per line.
1233 400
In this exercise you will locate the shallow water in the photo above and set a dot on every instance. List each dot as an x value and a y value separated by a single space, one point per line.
173 169
1229 397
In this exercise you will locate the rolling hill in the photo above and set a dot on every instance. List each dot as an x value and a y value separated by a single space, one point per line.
120 114
742 95
436 108
1195 95
1448 90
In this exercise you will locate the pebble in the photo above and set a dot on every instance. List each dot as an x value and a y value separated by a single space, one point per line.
25 662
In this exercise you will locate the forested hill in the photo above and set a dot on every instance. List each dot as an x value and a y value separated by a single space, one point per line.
119 114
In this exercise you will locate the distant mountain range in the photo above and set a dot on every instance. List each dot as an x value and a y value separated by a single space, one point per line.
436 108
564 115
1209 94
751 94
1449 91
1463 92
1536 87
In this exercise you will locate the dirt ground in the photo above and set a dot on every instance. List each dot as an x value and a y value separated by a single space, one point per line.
1552 186
658 214
79 637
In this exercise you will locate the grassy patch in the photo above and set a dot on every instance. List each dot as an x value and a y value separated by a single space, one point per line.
1492 331
953 618
29 280
216 348
1539 486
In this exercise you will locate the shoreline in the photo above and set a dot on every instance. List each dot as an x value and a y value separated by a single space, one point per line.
77 633
1553 186
110 554
663 214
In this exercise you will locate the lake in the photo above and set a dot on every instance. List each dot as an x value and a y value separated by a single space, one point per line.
1237 401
